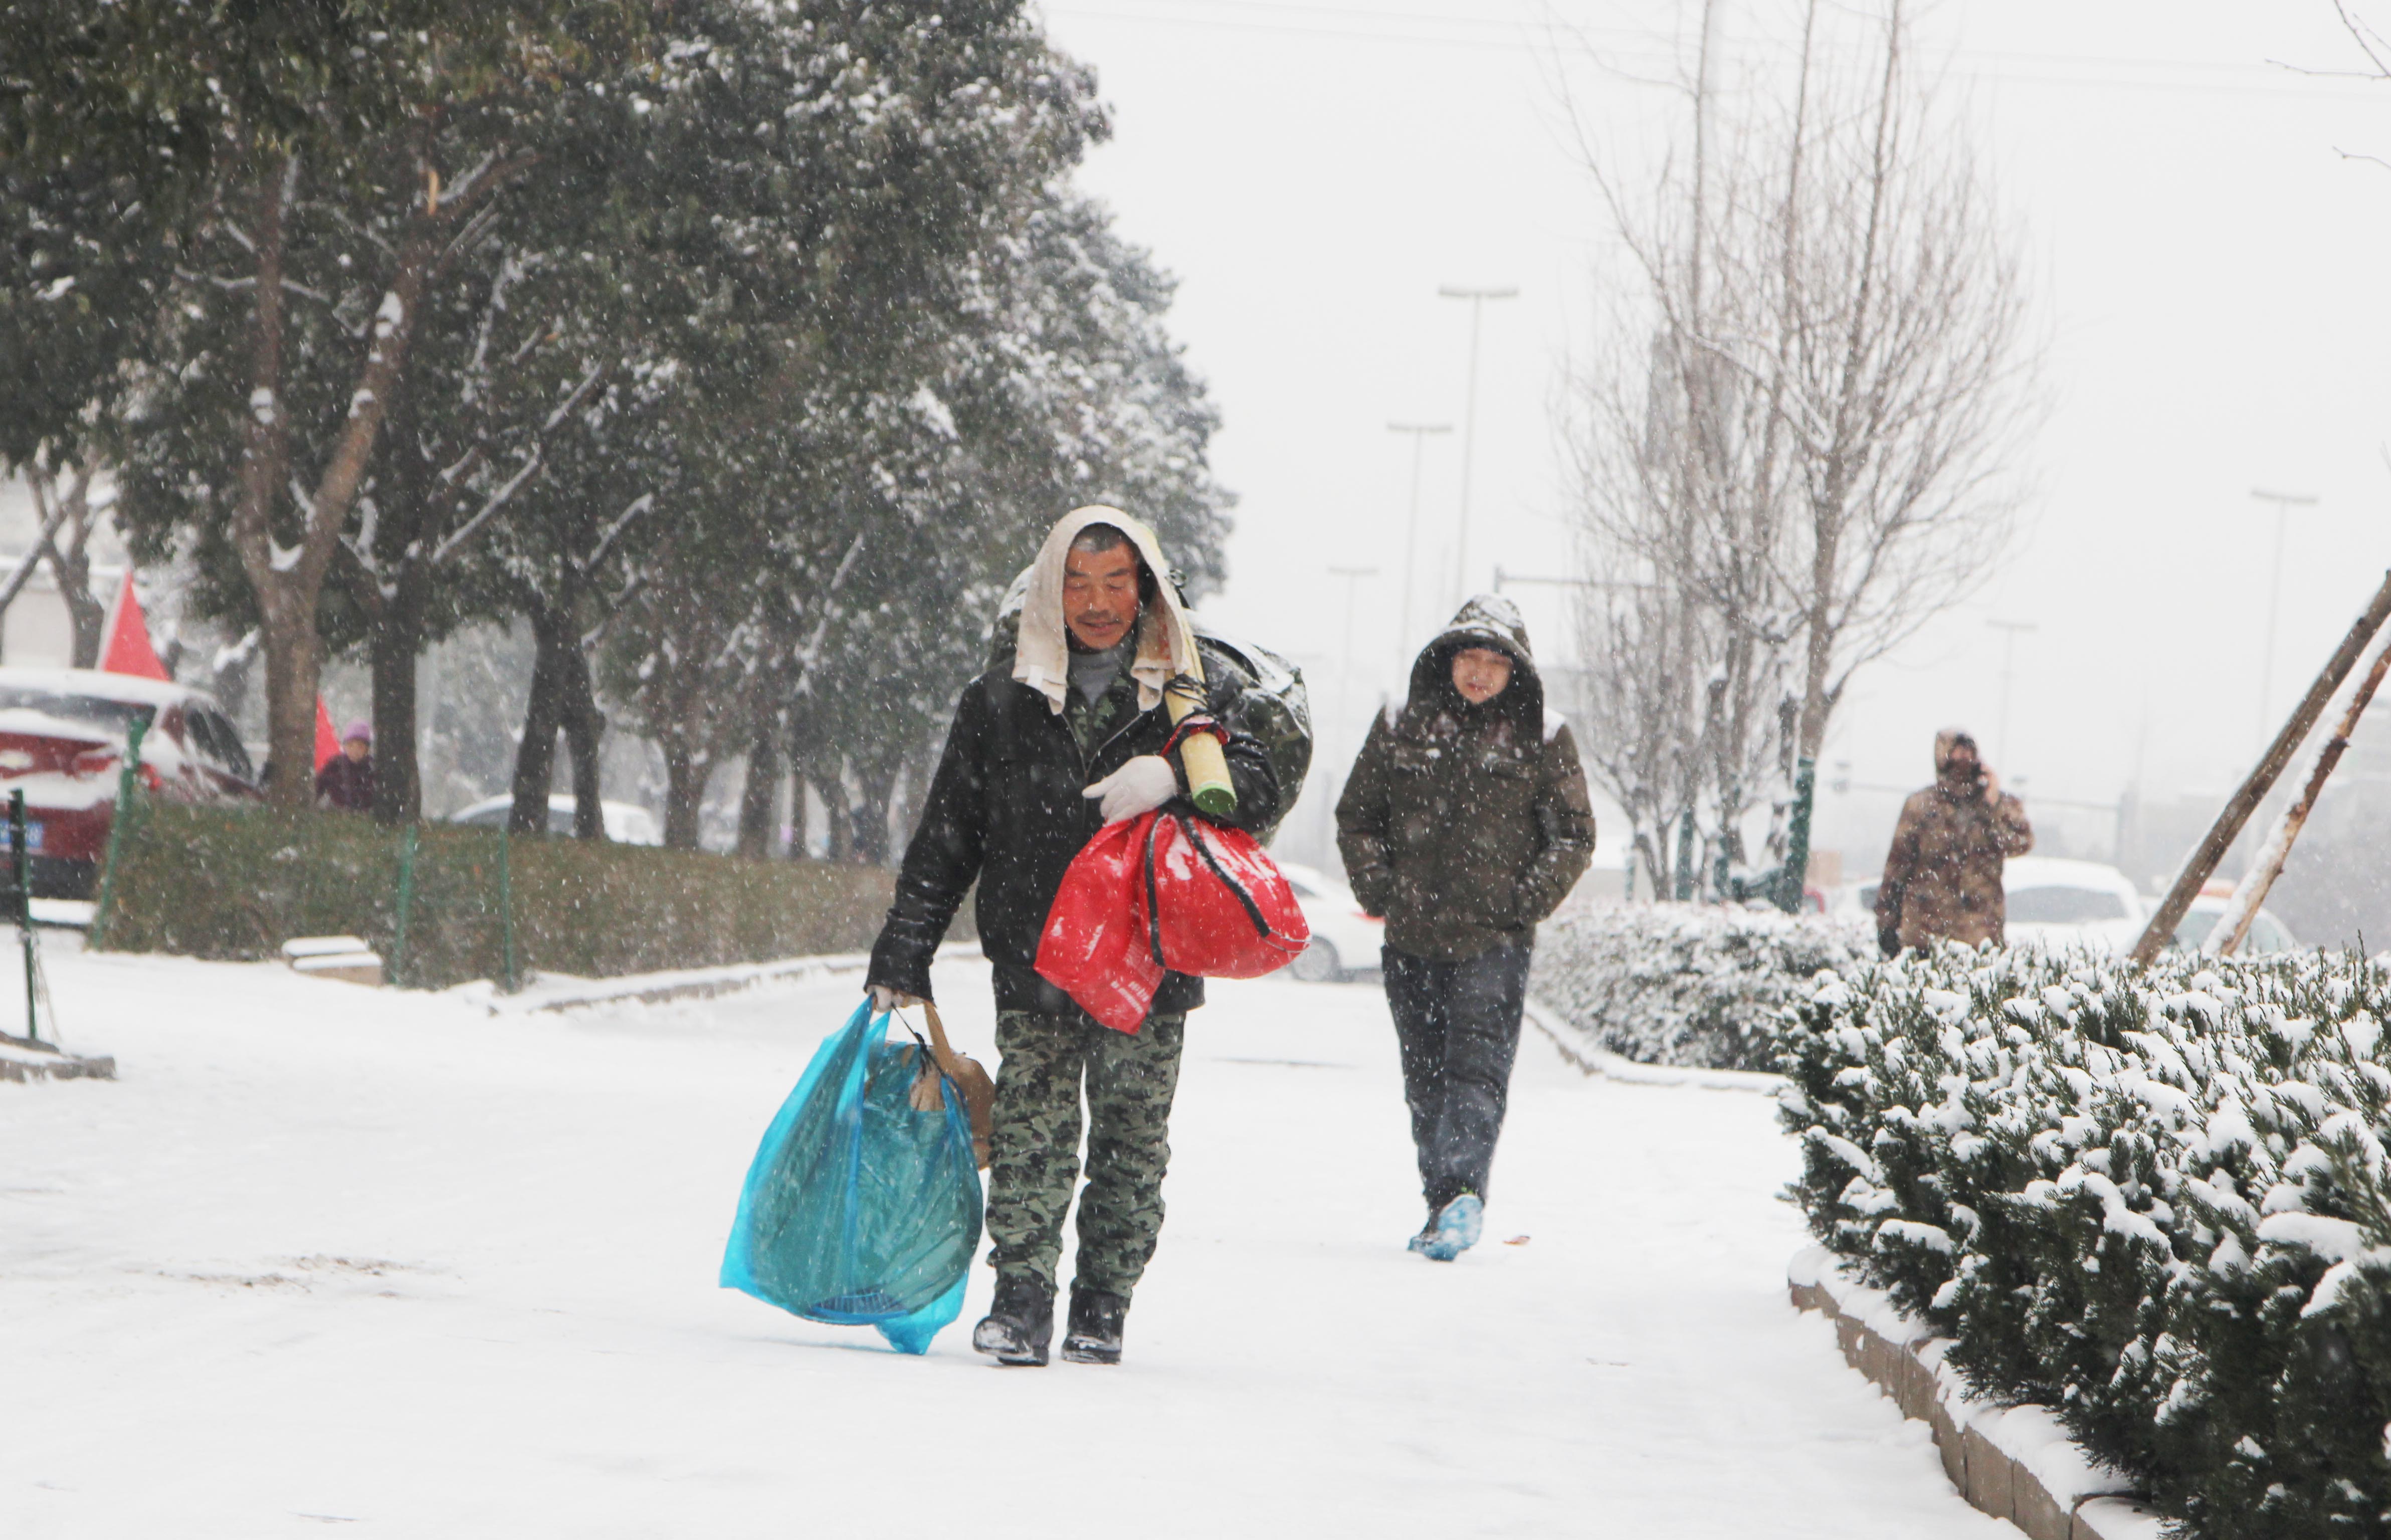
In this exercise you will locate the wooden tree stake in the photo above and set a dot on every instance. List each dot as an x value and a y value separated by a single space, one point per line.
2233 925
2202 864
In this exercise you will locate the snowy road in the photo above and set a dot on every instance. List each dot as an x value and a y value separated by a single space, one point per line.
327 1255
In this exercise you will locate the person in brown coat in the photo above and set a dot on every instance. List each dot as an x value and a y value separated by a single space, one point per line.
1942 876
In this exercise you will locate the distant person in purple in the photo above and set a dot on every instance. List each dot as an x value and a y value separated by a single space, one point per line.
345 784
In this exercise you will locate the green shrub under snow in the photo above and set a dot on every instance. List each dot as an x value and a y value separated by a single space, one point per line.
2154 1201
1697 985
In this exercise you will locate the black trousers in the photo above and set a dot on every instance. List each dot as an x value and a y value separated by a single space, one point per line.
1459 1027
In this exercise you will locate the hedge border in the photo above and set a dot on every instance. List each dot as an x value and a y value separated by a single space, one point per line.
234 884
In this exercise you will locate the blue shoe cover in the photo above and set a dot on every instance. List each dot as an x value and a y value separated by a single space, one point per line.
1457 1227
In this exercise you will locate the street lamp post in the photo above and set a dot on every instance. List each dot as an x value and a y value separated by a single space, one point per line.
2009 629
2284 502
1353 577
1476 298
1419 431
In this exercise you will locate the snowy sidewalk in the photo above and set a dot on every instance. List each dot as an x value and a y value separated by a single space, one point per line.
329 1255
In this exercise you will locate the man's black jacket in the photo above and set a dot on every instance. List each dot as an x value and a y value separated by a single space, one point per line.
1005 808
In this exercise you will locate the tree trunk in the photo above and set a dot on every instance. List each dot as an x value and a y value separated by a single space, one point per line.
293 678
838 819
877 780
536 755
288 590
760 798
84 612
686 773
265 462
584 726
394 640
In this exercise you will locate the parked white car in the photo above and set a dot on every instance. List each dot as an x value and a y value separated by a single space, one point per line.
2266 933
1344 940
2051 902
625 823
2054 902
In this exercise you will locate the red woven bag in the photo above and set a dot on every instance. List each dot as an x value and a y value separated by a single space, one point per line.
1094 948
1159 892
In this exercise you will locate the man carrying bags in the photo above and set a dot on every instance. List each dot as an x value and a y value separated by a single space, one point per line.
1041 754
1464 822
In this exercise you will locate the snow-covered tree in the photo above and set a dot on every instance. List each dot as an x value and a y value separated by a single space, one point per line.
317 171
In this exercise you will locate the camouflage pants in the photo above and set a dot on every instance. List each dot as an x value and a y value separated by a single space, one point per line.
1034 1154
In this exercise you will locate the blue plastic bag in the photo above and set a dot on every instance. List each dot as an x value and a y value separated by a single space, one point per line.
859 1210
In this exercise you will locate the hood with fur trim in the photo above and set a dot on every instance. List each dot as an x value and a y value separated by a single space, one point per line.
1166 640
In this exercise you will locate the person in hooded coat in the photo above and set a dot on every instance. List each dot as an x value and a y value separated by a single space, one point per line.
1942 876
1064 738
1464 822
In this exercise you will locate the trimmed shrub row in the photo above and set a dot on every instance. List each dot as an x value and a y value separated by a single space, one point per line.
1696 985
2156 1202
235 884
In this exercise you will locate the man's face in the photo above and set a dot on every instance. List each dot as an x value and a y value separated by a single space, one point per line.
1963 762
1480 673
1100 595
357 749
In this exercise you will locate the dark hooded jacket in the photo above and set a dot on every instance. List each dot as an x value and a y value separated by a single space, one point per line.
1464 825
1004 810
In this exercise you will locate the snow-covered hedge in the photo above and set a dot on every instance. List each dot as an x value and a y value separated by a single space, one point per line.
2156 1202
1686 984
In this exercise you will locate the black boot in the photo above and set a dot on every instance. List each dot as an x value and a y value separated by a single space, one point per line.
1019 1323
1096 1321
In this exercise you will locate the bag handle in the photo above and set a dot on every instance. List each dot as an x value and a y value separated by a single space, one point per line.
1154 899
1203 851
940 1049
1253 910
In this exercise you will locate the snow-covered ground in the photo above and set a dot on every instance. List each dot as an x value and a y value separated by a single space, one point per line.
326 1255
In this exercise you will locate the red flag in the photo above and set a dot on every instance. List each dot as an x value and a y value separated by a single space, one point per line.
127 650
328 743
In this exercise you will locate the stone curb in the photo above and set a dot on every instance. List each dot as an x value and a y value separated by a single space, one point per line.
2015 1463
1593 1060
559 993
22 1065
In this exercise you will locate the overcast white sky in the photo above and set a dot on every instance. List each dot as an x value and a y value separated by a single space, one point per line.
2209 270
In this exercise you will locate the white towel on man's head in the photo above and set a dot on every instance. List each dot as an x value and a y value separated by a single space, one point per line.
1166 642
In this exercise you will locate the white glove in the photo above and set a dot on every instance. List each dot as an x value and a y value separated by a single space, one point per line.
1140 787
885 999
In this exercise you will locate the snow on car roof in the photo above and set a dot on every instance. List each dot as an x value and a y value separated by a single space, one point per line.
2058 872
130 688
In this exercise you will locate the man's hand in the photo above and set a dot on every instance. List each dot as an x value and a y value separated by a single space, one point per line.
1992 784
885 999
1140 787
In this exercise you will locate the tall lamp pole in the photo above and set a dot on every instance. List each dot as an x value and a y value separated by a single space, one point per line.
1419 431
1353 577
2009 630
2284 502
1476 298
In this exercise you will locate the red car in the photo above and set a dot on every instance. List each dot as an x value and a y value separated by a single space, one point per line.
62 735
